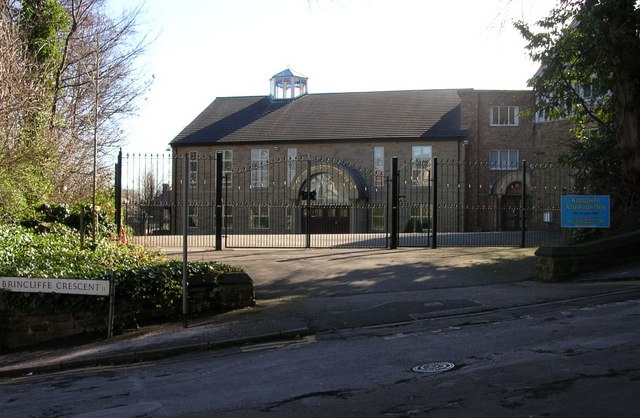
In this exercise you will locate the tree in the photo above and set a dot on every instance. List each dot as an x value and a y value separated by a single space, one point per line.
68 78
96 86
25 149
589 55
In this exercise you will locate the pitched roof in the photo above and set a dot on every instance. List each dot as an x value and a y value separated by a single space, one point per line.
289 73
334 116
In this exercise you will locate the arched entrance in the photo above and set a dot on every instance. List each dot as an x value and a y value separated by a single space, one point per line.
336 190
511 202
508 190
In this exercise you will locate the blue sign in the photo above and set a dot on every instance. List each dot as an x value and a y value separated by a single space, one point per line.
585 211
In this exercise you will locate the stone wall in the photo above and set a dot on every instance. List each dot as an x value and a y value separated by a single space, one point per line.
563 262
18 328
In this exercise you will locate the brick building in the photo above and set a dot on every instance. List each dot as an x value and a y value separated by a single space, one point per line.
338 146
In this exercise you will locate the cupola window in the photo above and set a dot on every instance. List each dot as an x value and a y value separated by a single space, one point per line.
288 85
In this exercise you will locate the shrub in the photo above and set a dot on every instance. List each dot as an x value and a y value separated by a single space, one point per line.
415 225
145 280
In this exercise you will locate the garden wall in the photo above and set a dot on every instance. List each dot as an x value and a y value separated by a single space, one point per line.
562 262
19 328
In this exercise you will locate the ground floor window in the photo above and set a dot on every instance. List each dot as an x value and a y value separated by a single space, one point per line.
193 217
420 219
289 218
377 218
259 217
228 217
504 159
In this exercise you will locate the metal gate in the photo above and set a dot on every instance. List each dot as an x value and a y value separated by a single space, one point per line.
327 203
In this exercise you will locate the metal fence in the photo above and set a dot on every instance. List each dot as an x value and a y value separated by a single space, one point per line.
318 202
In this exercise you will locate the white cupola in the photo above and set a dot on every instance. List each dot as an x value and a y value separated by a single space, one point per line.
288 84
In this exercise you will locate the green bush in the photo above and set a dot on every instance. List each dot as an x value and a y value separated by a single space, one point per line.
414 225
24 252
144 279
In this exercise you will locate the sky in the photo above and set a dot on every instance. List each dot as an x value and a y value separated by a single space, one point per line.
203 49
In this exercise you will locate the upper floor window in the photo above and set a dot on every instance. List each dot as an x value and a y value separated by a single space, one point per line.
259 167
504 116
193 169
378 166
292 156
504 159
420 165
227 166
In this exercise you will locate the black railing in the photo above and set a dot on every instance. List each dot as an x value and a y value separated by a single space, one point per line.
319 202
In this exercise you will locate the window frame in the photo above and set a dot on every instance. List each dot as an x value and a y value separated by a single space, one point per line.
259 216
378 166
292 169
193 169
420 166
512 117
378 218
259 167
227 166
496 163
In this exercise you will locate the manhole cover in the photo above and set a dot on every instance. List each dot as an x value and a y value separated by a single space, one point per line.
434 367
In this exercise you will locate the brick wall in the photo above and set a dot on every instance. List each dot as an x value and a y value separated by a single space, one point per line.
19 328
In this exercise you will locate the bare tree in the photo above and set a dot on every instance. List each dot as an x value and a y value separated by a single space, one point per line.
96 86
24 154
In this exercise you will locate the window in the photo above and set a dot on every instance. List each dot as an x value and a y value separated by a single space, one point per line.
504 115
542 116
193 217
292 155
227 214
289 218
227 166
378 166
259 167
504 159
421 165
377 218
420 219
259 217
193 169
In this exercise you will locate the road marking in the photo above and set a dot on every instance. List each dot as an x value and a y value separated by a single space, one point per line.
309 339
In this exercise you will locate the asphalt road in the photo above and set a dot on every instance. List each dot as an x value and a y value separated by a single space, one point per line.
576 358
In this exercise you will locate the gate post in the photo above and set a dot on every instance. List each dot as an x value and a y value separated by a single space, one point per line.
434 227
218 201
185 236
524 203
118 195
308 218
393 243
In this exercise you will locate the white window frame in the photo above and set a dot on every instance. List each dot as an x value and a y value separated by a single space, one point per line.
193 168
256 214
420 166
227 166
497 116
497 160
378 166
260 167
292 169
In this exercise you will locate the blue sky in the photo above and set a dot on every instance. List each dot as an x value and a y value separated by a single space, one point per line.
215 48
